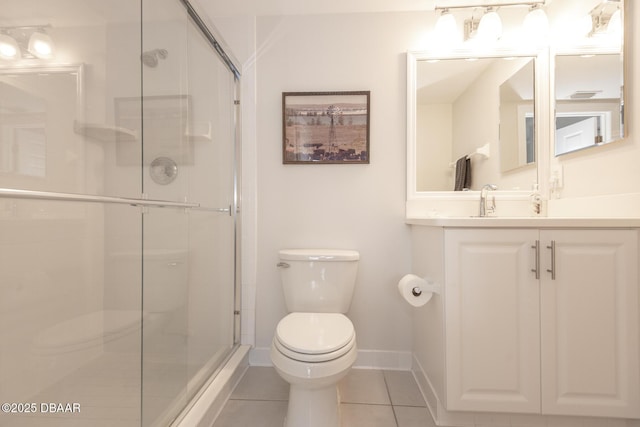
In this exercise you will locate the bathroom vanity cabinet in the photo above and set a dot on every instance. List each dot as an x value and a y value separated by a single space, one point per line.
535 320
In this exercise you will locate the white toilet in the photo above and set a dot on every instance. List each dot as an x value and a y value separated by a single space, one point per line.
315 345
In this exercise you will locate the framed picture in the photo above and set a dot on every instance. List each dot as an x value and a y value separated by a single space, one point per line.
325 127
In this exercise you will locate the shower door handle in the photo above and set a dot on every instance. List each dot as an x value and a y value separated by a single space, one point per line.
221 210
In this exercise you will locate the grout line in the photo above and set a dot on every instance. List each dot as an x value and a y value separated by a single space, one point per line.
365 404
239 399
393 409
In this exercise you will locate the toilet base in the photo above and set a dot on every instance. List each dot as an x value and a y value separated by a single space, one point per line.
318 407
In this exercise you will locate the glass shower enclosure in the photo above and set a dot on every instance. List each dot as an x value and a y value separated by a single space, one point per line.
118 211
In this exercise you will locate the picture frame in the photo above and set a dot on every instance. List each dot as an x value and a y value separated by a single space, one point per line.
326 127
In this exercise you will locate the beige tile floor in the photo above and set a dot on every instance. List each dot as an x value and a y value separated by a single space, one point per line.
371 398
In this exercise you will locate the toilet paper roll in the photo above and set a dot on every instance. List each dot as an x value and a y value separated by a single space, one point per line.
416 290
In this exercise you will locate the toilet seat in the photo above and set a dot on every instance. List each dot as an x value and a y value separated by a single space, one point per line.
314 337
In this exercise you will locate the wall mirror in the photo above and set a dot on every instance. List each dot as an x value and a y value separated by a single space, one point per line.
589 81
478 109
589 101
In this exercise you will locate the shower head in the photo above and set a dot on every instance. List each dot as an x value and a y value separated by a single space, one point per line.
150 57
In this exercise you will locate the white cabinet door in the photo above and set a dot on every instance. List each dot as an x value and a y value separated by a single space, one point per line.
589 323
492 321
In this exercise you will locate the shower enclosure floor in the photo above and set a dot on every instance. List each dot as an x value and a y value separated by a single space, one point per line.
108 392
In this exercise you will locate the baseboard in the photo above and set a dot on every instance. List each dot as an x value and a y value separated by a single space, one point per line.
367 359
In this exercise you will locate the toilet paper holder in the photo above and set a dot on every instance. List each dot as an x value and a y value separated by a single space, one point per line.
417 290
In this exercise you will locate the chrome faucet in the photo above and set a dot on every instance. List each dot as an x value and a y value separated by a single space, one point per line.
483 200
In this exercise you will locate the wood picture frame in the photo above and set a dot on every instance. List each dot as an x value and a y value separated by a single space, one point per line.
326 127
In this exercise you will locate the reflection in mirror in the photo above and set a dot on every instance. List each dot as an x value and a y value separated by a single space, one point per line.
589 103
30 130
517 142
22 130
458 117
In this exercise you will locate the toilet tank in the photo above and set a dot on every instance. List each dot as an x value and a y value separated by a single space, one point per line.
318 280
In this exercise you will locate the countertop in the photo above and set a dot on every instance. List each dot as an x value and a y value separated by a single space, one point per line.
525 222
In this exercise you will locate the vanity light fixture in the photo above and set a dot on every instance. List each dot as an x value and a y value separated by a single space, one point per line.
26 42
488 28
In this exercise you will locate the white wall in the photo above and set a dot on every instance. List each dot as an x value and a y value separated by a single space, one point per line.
342 206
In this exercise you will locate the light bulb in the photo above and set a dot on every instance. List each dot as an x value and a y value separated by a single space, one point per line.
41 45
8 47
490 27
615 23
535 28
536 22
446 27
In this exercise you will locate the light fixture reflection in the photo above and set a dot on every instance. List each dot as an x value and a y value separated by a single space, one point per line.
490 27
26 42
40 45
9 48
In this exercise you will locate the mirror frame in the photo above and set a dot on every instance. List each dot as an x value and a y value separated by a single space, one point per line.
421 204
77 69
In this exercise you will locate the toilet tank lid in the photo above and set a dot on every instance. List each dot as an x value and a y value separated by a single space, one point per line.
318 255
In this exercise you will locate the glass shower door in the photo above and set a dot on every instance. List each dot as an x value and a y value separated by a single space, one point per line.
117 214
188 255
70 246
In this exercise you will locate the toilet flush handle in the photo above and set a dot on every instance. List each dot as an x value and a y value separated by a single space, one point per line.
283 265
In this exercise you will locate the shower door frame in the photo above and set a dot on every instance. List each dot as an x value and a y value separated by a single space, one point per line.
213 37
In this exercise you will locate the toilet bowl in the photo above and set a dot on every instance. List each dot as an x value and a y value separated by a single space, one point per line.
313 352
314 346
